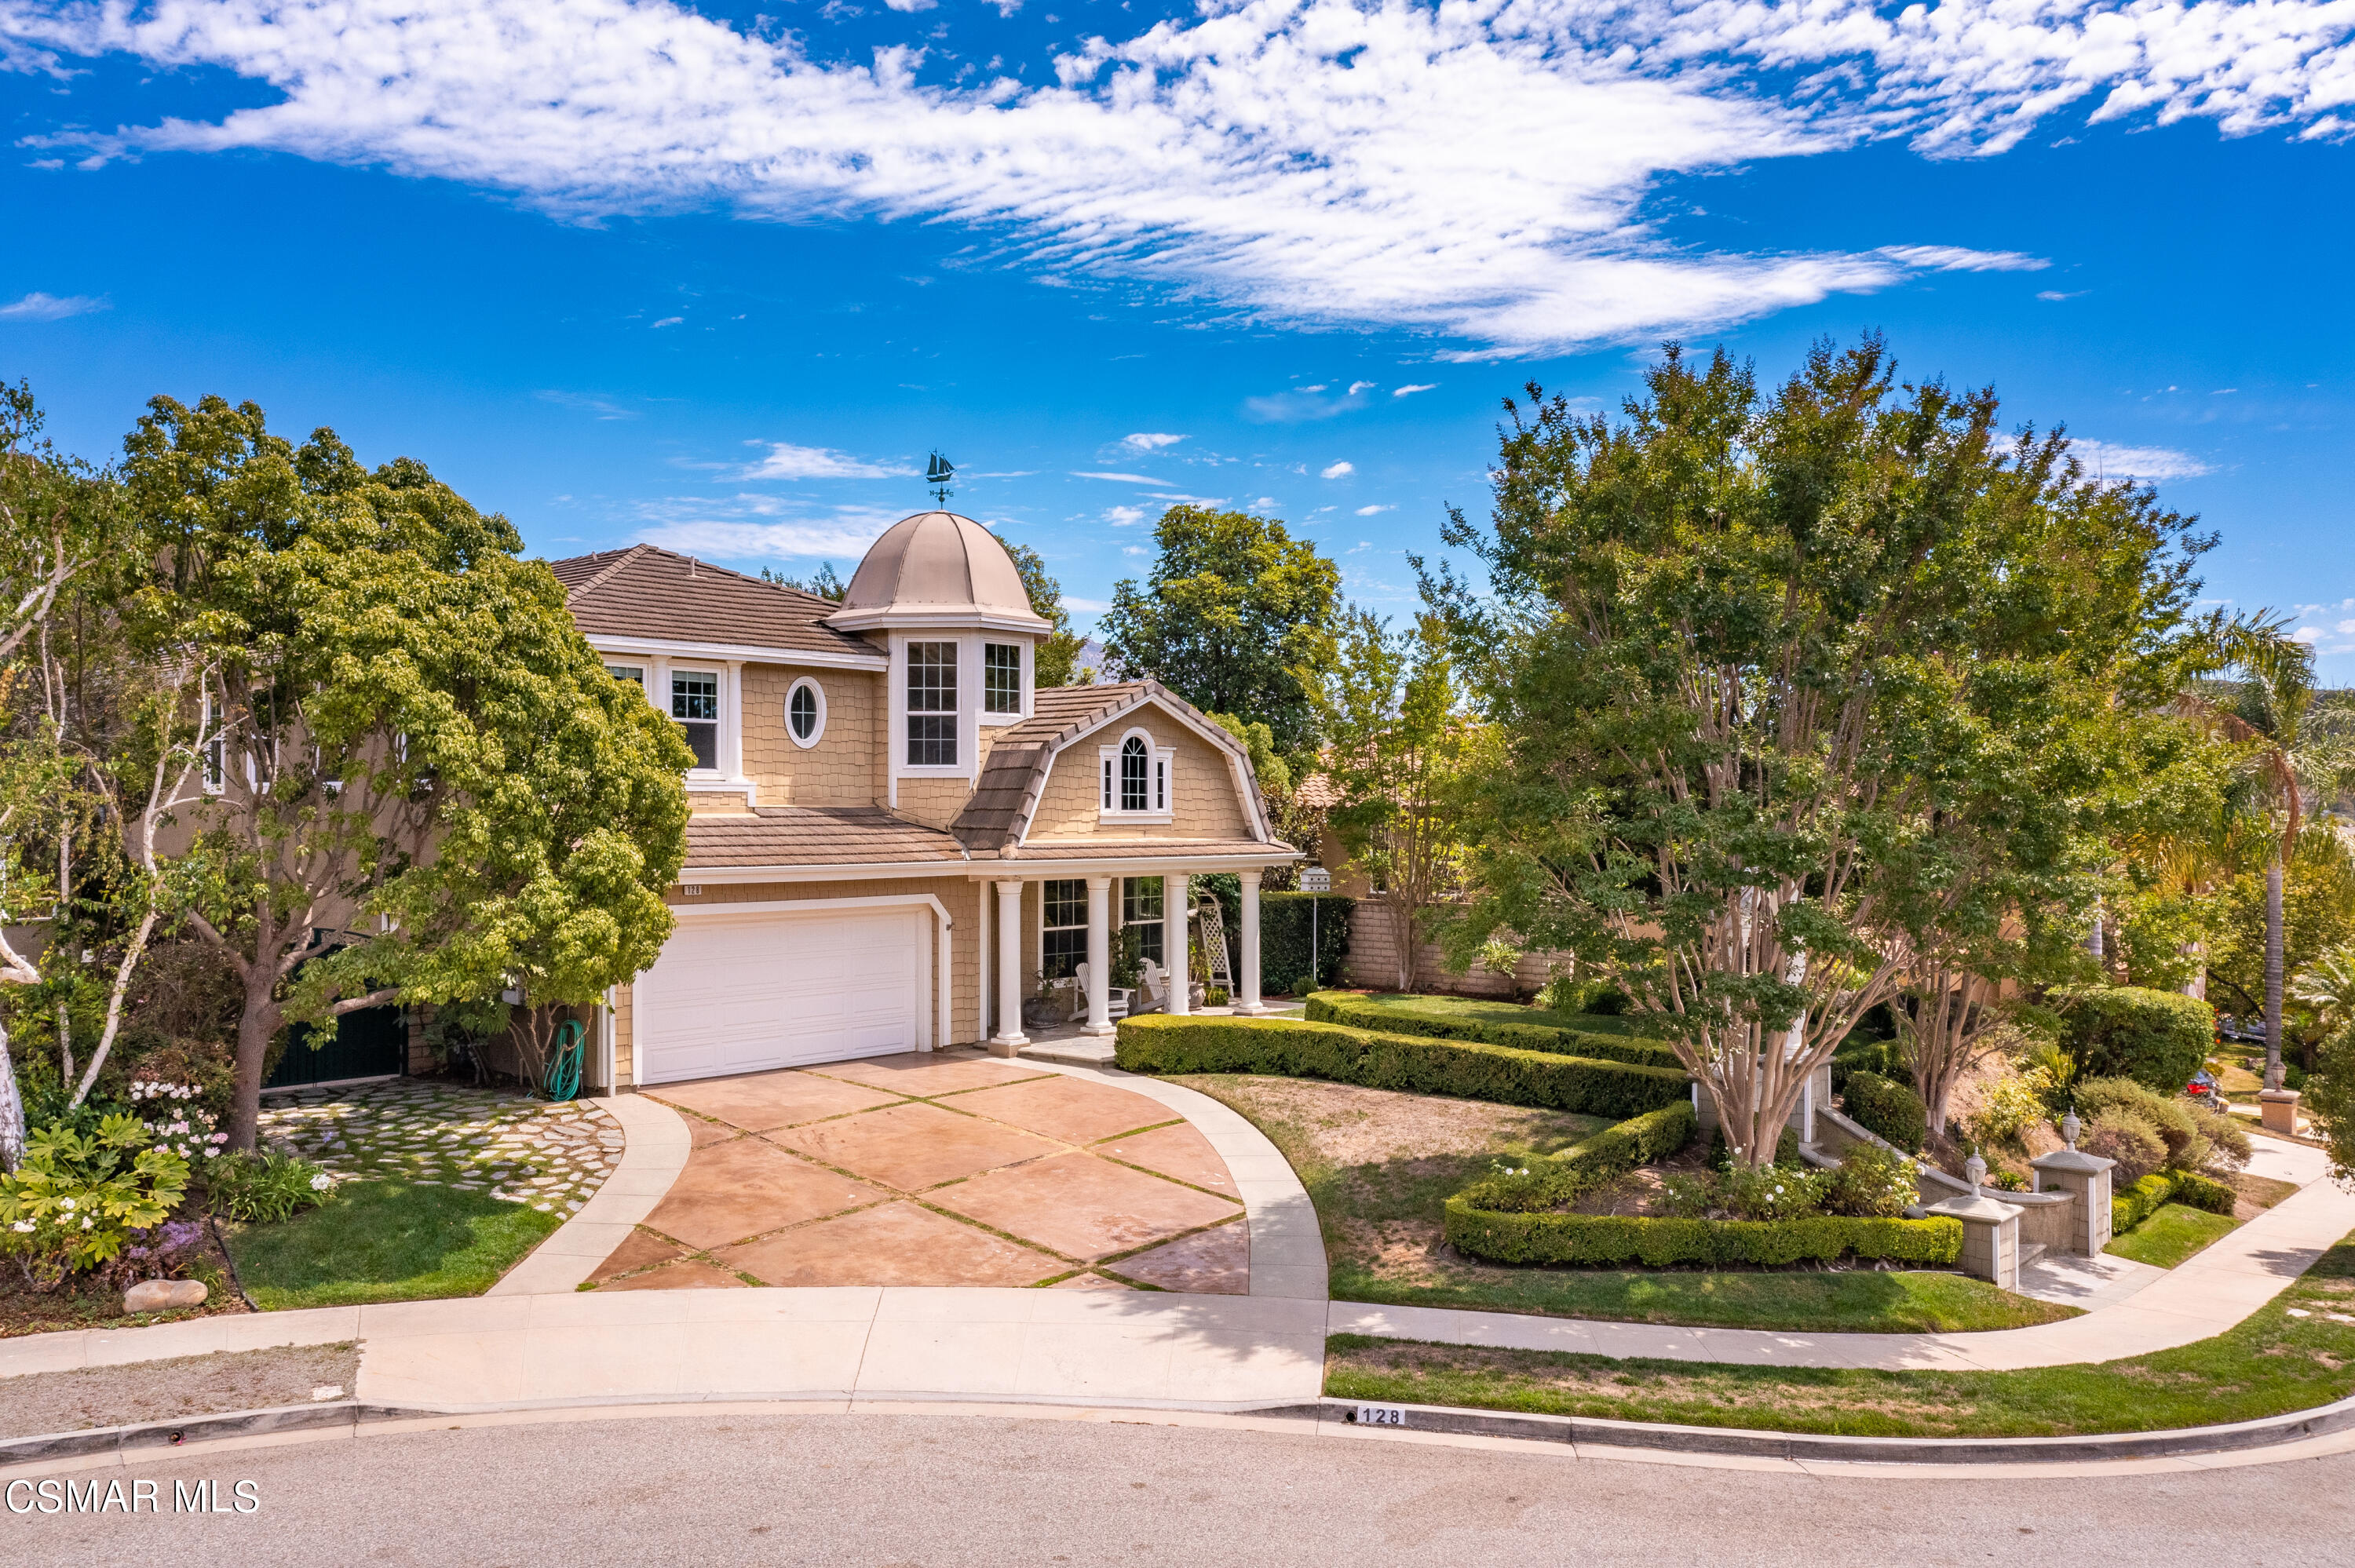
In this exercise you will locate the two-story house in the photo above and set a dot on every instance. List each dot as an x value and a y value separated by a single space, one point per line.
896 836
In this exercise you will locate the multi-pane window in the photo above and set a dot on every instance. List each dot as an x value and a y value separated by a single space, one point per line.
695 704
1140 906
635 674
1063 936
1001 678
1135 771
931 705
801 713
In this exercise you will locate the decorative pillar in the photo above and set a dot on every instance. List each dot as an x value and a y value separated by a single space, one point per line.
2086 1178
1990 1230
1174 953
2277 1110
1099 957
1247 979
1009 1037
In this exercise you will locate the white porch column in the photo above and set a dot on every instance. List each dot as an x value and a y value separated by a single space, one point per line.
1009 1037
1099 957
1174 952
1247 981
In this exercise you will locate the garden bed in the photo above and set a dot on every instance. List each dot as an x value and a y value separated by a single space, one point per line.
1379 1166
82 1302
2272 1364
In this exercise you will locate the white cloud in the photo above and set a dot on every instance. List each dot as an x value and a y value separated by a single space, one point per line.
1117 478
39 307
2113 461
1150 441
1358 387
729 531
670 321
1370 511
787 461
910 5
1123 516
1337 470
589 403
1418 387
1274 155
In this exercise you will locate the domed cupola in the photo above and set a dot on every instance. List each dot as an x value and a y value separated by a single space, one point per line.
937 569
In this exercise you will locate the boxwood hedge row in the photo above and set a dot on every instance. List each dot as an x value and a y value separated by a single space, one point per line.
1294 1048
2139 1201
1352 1010
1584 1166
1604 1240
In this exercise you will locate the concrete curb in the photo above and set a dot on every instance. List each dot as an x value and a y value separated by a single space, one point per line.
346 1418
1741 1442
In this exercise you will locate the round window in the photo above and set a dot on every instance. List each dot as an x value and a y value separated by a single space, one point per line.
805 712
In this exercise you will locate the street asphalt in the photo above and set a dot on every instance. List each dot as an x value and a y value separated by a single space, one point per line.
895 1491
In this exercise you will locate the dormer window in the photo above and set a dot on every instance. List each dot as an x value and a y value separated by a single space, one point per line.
931 705
1001 680
695 704
1137 779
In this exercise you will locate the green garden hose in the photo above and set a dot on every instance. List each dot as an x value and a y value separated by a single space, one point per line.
563 1079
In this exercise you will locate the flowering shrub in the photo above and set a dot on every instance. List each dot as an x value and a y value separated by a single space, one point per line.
179 1122
1873 1182
77 1199
2008 1107
1772 1193
266 1187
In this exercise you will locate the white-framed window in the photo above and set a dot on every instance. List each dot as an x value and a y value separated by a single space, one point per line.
931 705
805 712
1001 679
1136 778
695 704
214 769
1062 926
633 673
1140 905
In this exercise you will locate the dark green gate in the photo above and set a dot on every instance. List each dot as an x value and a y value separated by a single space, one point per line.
368 1043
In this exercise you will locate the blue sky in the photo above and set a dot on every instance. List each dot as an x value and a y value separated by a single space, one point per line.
720 278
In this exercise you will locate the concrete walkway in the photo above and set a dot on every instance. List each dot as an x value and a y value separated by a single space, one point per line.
2198 1298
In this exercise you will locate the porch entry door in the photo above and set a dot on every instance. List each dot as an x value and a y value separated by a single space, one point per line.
742 994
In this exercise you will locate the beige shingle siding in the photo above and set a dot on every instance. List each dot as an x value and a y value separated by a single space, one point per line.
933 801
1203 802
839 770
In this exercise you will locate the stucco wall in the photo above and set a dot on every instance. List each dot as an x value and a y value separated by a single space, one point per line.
844 769
1202 799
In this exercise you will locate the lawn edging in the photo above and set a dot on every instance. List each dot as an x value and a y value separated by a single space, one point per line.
1356 1012
2266 1432
1160 1044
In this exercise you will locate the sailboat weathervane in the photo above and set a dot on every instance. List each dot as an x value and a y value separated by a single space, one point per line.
937 474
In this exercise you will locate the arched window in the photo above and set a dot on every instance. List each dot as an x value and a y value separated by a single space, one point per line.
805 712
1135 771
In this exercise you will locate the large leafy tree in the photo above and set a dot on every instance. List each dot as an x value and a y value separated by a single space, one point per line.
1394 743
425 789
1802 697
1236 617
1056 662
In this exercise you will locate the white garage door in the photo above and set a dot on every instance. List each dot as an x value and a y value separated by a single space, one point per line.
738 994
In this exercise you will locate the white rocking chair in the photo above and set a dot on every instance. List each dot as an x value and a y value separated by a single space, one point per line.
1117 997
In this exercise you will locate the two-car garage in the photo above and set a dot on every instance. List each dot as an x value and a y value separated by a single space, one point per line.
755 987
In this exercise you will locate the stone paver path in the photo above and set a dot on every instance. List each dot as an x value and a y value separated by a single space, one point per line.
552 1157
948 1168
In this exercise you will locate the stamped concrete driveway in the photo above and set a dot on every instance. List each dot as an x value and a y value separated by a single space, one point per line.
950 1168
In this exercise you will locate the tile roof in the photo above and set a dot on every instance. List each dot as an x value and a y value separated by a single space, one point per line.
1016 769
644 591
1152 849
815 835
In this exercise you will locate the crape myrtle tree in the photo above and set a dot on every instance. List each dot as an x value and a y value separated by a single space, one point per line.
1800 695
425 787
1236 617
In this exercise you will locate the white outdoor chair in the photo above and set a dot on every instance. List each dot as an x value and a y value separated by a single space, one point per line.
1155 987
1117 997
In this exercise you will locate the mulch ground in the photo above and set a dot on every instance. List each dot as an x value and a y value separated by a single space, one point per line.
85 1304
88 1397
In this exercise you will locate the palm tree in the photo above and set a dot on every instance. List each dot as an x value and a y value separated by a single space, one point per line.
2295 752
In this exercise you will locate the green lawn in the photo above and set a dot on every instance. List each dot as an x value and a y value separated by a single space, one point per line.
2269 1365
1379 1166
1472 1007
2172 1233
385 1241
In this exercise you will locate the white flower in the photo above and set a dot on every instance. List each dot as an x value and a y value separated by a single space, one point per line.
322 1182
66 1204
85 1221
22 1226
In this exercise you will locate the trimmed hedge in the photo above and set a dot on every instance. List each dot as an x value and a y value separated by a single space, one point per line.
2157 1038
1618 1239
1356 1013
2146 1197
1291 1048
1559 1180
1284 931
1891 1109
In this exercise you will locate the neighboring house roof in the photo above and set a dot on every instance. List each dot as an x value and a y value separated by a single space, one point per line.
1318 793
649 593
816 836
998 813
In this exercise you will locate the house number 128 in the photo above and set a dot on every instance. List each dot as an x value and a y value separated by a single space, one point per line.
1381 1416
